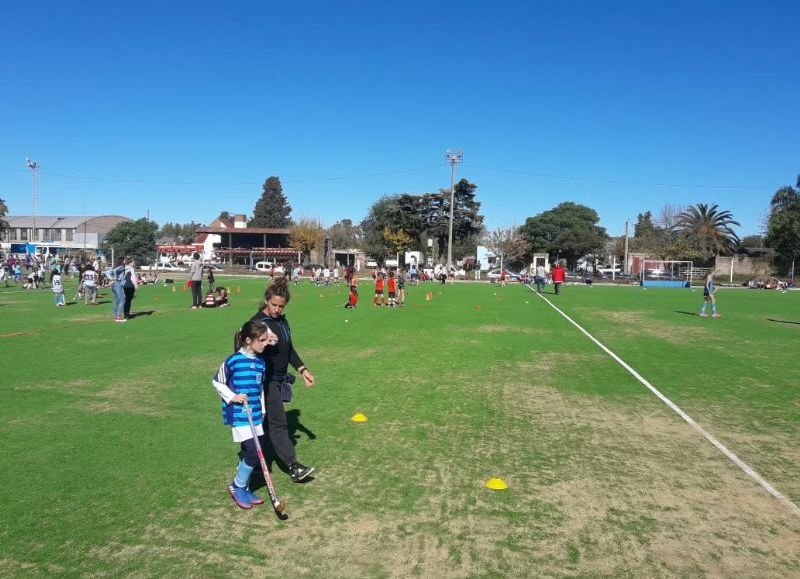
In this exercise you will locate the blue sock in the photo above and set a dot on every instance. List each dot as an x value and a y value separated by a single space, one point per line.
713 308
242 478
703 308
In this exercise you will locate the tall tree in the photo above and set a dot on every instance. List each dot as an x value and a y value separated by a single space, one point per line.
783 227
136 239
568 231
307 234
345 235
3 213
272 209
708 229
224 216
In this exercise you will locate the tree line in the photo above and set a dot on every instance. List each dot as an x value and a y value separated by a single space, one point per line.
420 222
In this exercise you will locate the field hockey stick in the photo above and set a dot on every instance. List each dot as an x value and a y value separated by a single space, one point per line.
278 504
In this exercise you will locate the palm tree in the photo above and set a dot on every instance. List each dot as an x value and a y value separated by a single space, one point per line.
708 229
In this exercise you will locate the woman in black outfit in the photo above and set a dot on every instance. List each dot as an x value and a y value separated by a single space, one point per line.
276 381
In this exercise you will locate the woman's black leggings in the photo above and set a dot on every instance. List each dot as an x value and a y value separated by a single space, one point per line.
277 425
197 293
129 291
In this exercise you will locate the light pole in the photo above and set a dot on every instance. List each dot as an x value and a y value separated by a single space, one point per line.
625 265
34 167
452 159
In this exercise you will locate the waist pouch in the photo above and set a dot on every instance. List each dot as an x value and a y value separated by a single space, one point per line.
284 383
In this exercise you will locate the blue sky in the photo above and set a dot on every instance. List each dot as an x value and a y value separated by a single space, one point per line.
183 109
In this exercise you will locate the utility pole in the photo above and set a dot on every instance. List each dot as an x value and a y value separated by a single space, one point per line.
34 167
452 159
625 265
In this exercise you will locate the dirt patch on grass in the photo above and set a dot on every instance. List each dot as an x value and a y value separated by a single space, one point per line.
641 492
642 323
506 329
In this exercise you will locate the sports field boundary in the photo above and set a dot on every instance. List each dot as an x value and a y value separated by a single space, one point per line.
747 469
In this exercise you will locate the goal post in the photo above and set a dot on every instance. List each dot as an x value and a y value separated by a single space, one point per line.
666 273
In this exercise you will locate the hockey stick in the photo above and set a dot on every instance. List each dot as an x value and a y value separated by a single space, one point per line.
278 504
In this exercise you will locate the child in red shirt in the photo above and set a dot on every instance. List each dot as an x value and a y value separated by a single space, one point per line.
379 290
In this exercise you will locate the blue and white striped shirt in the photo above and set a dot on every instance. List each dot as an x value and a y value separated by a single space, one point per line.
240 374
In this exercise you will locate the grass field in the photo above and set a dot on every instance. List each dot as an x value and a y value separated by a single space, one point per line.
115 461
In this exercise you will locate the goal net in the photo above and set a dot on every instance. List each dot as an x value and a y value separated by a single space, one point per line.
666 273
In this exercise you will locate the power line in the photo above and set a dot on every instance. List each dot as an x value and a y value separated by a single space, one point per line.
399 172
620 181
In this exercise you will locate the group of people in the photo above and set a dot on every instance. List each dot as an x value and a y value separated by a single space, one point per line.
257 373
394 287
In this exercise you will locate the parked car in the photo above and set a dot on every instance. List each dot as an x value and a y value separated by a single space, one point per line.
171 268
269 268
215 267
494 275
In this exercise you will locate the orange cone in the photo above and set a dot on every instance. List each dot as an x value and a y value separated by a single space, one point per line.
238 289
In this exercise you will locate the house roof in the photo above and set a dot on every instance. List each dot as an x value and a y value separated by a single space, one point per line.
243 230
93 223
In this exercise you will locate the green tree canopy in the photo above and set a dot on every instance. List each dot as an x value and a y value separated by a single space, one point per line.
569 231
345 235
272 208
783 228
136 239
184 233
425 216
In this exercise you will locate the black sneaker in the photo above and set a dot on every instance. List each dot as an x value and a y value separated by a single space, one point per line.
298 472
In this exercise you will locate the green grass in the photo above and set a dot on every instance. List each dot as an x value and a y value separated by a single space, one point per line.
114 459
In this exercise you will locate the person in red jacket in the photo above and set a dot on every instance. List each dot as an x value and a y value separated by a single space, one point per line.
557 273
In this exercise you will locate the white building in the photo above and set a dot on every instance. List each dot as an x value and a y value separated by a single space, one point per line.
59 234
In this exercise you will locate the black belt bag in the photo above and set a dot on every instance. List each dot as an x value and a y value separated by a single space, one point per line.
284 383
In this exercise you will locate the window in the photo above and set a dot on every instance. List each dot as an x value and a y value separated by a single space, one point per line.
23 234
68 234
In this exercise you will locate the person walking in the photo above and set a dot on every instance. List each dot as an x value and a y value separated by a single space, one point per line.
117 275
196 281
129 285
558 275
708 297
237 381
89 279
277 383
540 278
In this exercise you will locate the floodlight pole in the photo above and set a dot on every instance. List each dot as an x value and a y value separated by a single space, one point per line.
452 159
625 265
34 167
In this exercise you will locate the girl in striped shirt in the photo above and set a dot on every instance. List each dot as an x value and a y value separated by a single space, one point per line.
239 379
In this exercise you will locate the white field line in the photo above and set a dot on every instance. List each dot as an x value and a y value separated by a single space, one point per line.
747 469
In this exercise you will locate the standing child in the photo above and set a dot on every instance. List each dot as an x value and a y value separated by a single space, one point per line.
239 380
379 290
392 289
708 297
401 289
58 288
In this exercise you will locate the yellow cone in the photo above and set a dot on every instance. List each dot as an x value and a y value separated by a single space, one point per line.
173 289
358 417
496 484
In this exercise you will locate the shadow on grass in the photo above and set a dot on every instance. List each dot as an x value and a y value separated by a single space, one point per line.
270 456
687 313
783 322
144 313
